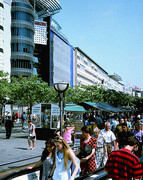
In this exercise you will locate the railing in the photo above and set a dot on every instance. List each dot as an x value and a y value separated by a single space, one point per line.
98 174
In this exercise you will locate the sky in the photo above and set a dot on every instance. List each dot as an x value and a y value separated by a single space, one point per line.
110 32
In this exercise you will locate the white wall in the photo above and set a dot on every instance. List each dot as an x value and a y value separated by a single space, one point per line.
7 36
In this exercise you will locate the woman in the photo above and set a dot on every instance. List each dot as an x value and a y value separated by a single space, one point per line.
87 164
47 159
67 131
101 151
31 136
64 159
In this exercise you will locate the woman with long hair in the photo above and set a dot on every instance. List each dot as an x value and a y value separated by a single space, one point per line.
64 159
47 160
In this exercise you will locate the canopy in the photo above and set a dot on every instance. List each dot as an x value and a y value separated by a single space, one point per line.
103 106
74 108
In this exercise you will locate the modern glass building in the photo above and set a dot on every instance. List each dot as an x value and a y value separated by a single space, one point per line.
23 13
22 38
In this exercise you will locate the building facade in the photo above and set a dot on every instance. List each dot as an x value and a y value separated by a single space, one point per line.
87 72
55 56
1 35
22 38
5 35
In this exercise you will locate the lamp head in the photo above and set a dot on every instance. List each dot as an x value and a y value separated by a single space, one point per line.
61 86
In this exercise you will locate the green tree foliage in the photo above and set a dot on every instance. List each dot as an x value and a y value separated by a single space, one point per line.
28 90
4 87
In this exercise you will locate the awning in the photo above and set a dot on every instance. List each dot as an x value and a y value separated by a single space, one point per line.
102 106
74 108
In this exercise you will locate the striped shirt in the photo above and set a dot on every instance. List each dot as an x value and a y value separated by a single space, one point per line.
123 165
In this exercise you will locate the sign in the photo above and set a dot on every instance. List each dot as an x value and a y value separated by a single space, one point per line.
40 36
55 110
36 109
8 110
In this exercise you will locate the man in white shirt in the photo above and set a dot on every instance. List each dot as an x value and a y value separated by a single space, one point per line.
109 137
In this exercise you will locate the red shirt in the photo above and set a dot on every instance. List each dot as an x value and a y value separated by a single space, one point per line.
122 164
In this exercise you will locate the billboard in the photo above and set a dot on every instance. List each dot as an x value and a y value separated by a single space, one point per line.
40 36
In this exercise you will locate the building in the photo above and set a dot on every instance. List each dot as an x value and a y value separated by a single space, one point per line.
88 72
5 35
114 82
22 38
55 55
17 33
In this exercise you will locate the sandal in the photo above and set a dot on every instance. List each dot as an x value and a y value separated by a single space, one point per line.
29 148
33 148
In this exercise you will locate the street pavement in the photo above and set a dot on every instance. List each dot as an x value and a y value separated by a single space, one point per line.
16 148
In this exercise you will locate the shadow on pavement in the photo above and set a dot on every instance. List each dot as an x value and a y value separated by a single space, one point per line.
20 148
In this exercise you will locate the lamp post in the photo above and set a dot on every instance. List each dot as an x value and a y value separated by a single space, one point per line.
61 87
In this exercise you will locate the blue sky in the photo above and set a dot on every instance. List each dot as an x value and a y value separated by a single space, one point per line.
108 31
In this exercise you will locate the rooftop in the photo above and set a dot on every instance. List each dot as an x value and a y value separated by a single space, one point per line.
45 8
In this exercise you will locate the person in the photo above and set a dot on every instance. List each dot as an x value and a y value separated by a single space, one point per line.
109 137
123 136
88 164
99 121
119 127
115 122
65 157
13 117
138 133
86 122
8 127
31 136
67 131
122 164
101 150
47 160
138 121
23 118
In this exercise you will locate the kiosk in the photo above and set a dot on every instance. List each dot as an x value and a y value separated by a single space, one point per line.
46 117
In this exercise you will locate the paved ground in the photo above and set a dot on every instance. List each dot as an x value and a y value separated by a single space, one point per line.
15 148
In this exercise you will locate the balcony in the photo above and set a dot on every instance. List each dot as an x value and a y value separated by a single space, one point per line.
21 71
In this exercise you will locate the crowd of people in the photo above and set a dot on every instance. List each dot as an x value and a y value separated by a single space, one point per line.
115 143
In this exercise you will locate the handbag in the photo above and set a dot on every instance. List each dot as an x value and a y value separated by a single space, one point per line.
85 151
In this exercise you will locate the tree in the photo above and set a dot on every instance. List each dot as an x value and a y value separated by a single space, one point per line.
4 89
28 90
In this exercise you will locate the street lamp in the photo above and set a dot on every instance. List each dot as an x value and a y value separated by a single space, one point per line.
61 87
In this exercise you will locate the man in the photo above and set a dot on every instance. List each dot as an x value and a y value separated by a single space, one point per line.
8 127
123 136
119 127
122 164
109 137
114 124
